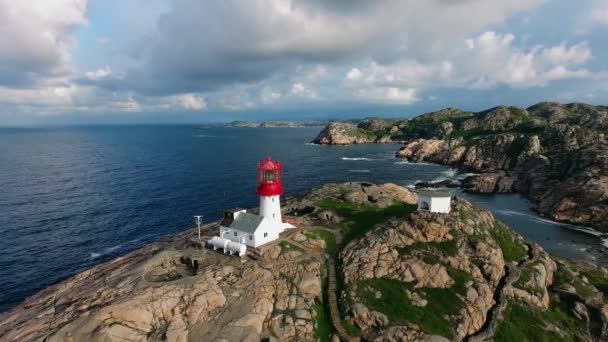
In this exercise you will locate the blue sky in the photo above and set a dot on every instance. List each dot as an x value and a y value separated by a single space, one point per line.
111 61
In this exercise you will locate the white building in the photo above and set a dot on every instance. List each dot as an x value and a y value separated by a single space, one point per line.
434 201
249 229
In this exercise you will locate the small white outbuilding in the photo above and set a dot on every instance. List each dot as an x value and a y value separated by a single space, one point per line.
434 201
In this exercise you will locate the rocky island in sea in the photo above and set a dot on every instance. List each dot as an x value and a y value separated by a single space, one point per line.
363 264
554 154
274 124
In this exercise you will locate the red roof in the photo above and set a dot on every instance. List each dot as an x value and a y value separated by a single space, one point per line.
268 164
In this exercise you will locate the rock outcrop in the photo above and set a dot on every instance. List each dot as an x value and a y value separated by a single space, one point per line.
402 275
556 155
343 133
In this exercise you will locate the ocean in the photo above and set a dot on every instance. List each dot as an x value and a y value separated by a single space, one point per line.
74 197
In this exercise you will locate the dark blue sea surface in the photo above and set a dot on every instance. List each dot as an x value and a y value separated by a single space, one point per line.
74 197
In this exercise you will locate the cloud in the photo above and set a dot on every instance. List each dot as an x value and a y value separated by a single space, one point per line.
35 39
485 61
99 73
599 14
206 46
269 96
391 95
236 55
191 102
298 89
354 74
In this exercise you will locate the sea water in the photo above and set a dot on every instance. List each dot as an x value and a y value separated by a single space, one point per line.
74 197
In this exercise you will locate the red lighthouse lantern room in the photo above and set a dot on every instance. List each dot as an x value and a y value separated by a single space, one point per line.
269 178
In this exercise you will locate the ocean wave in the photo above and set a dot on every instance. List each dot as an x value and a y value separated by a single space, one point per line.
358 158
605 242
412 185
359 171
204 136
406 162
449 174
311 144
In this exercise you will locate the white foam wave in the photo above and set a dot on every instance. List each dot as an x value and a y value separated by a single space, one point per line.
605 242
413 184
360 171
406 162
311 144
358 158
95 255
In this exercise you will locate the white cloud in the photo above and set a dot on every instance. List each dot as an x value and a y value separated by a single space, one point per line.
99 73
392 95
191 102
35 39
354 74
269 96
599 14
486 61
298 89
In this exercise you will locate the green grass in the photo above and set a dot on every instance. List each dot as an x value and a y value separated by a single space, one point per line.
395 304
512 250
525 276
329 238
460 279
352 330
599 280
564 276
448 248
323 327
522 323
361 218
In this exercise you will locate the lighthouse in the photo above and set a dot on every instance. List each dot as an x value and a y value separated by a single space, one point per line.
239 228
270 189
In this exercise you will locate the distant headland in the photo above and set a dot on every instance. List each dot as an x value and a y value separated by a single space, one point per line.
554 154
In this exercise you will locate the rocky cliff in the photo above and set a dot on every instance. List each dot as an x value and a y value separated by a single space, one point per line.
345 133
555 154
363 264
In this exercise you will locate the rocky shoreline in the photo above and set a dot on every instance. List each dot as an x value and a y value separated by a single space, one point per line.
556 155
363 264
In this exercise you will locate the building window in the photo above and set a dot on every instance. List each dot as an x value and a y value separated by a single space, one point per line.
234 233
250 237
265 234
272 215
272 199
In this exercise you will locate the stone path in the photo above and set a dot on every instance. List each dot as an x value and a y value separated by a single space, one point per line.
497 313
334 310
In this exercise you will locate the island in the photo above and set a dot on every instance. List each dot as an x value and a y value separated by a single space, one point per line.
363 264
275 124
554 154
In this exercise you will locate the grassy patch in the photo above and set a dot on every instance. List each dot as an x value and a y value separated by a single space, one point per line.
523 323
360 218
599 280
395 304
460 279
352 330
328 237
512 250
323 327
525 276
564 276
448 248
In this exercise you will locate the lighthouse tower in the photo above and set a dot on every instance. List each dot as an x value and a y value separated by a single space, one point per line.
270 189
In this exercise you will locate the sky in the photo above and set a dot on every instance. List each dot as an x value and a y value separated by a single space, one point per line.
178 61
